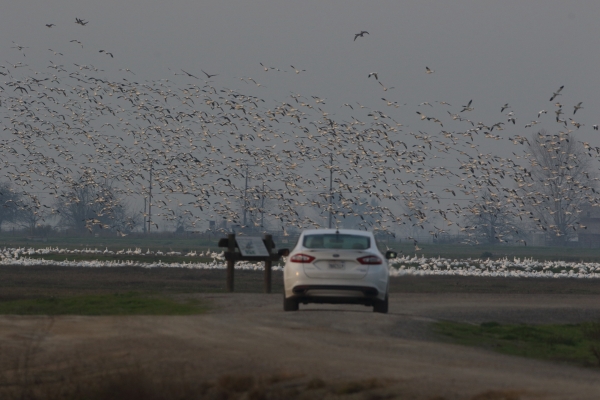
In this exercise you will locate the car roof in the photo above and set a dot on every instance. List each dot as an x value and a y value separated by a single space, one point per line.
333 231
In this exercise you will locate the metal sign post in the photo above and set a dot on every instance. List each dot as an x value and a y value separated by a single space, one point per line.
230 261
250 248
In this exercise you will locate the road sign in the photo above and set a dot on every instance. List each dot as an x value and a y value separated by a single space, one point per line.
252 246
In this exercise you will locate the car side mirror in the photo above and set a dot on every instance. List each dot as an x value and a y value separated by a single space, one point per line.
390 254
283 252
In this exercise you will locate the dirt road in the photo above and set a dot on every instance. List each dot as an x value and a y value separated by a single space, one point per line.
249 334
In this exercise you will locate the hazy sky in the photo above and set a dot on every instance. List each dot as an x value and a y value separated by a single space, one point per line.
491 52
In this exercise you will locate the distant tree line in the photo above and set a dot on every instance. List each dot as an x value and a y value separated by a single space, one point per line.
83 208
554 189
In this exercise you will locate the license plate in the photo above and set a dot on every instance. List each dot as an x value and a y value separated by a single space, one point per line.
336 265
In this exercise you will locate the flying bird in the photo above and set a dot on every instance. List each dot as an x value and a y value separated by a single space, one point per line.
557 93
104 51
193 76
511 118
297 70
385 89
50 25
373 74
468 106
577 107
504 107
361 34
207 74
429 70
80 21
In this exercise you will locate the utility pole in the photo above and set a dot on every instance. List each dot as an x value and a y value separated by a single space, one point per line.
245 198
330 187
145 208
150 197
262 207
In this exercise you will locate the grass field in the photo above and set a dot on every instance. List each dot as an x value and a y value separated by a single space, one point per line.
164 291
578 344
102 304
32 282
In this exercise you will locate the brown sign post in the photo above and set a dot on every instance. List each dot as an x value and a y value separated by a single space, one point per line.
249 248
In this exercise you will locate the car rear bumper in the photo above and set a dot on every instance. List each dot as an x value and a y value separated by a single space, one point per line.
335 294
307 289
302 290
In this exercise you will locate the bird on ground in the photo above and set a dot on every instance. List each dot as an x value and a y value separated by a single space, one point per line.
361 34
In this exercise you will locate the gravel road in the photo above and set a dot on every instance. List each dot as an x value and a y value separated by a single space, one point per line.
249 334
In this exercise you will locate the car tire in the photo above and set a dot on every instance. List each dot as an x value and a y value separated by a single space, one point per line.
381 306
290 304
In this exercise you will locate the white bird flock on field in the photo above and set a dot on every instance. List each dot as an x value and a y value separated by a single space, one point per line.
407 265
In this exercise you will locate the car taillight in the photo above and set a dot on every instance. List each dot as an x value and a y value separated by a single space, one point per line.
369 260
302 258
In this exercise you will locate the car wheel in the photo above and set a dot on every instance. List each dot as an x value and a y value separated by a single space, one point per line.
381 306
290 304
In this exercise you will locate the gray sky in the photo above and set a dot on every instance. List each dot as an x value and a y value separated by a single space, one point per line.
490 52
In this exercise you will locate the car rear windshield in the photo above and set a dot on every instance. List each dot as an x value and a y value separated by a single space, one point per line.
336 241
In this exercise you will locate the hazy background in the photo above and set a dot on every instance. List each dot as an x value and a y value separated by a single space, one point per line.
492 52
487 51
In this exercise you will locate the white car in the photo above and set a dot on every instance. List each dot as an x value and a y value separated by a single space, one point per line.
336 266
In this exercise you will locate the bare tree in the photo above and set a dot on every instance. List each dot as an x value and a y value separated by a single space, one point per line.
491 221
559 184
30 214
257 203
91 207
181 220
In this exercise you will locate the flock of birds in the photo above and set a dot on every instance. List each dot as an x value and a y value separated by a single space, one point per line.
402 266
22 251
190 145
526 268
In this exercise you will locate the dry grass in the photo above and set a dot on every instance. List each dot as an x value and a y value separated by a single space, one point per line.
26 380
498 395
